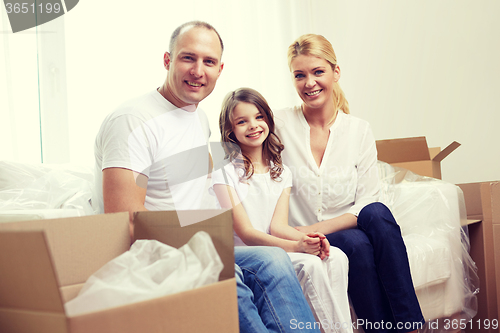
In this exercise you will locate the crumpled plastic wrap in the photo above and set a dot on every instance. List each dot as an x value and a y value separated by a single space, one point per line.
30 191
150 269
432 216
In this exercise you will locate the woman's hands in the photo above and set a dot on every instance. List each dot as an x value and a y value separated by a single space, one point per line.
314 243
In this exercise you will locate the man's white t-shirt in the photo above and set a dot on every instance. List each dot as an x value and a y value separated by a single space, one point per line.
167 144
259 195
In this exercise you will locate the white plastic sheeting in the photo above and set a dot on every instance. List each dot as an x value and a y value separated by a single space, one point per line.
150 269
36 191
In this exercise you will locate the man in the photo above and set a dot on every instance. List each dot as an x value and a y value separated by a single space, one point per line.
144 161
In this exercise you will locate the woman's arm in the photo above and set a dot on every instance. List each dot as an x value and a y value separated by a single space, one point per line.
342 222
228 198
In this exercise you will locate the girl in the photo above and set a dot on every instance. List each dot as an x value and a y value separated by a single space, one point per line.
256 185
336 155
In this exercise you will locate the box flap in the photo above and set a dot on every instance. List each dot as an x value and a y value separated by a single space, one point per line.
28 280
24 321
403 150
208 309
433 151
164 226
80 245
447 151
473 202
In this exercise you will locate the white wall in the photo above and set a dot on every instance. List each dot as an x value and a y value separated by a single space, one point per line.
425 68
409 67
115 53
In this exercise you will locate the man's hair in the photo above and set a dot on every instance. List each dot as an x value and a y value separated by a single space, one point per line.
191 24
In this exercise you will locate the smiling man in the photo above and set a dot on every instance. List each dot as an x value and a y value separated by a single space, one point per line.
151 154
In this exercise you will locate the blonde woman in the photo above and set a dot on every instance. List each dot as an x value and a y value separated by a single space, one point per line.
335 189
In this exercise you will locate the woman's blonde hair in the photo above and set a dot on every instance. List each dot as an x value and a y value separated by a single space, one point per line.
319 46
272 146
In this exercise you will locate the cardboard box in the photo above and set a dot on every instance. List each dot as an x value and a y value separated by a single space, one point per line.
482 201
44 263
414 154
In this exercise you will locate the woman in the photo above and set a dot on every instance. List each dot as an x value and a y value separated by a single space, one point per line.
335 189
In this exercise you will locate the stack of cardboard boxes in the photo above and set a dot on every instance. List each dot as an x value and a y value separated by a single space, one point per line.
482 201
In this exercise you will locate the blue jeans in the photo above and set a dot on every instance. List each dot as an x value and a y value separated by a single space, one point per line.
270 298
380 284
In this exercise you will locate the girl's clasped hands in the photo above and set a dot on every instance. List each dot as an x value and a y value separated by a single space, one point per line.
314 243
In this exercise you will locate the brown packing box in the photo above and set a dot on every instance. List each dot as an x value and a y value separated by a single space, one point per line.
44 263
482 201
414 154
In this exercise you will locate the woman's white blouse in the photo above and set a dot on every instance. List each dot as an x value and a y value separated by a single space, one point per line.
347 179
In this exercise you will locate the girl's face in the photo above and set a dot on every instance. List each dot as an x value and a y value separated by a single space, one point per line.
249 126
313 79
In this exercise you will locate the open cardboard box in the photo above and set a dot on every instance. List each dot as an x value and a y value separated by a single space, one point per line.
44 263
414 154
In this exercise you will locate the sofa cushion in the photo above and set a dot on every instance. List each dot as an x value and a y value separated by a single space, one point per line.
430 260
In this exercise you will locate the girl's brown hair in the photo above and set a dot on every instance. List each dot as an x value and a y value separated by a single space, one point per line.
319 46
272 146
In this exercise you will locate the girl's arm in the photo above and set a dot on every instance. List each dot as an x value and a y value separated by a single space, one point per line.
280 227
279 222
228 198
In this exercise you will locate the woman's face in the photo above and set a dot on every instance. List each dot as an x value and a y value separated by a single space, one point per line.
313 79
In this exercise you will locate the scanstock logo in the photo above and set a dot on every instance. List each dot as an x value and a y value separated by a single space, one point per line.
26 14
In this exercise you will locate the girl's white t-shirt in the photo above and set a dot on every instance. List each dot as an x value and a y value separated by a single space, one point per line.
259 194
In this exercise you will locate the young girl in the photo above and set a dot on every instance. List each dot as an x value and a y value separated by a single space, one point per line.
256 185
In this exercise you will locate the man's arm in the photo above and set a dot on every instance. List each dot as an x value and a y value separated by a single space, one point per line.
123 190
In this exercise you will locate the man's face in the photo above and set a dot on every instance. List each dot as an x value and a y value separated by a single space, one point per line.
194 66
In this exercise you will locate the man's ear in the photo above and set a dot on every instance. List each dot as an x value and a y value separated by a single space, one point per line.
166 60
336 73
220 69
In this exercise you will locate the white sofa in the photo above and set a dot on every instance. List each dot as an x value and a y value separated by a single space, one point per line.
430 213
432 217
40 191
